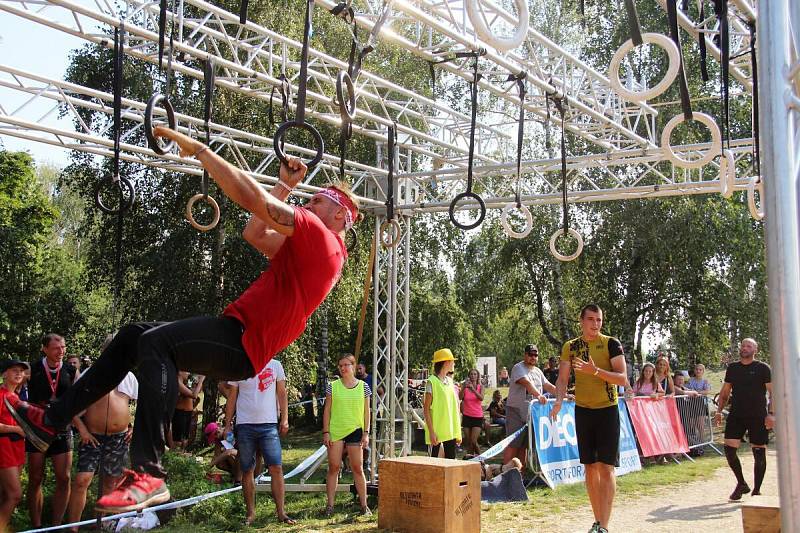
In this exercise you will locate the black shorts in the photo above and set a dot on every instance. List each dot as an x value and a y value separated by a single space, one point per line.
354 438
757 432
471 421
598 435
62 444
181 422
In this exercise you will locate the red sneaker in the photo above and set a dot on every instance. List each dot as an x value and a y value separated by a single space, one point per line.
31 419
137 491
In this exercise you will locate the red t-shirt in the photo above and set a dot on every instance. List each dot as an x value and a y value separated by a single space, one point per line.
275 308
12 445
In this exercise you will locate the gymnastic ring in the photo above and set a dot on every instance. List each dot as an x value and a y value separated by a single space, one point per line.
347 107
755 183
672 70
557 254
716 141
481 206
504 44
390 239
727 174
507 226
214 206
286 126
127 201
156 144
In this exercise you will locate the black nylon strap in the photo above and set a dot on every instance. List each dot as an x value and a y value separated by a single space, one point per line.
162 26
721 9
633 22
119 57
209 76
686 102
520 79
559 103
754 69
308 27
390 174
473 121
243 12
701 43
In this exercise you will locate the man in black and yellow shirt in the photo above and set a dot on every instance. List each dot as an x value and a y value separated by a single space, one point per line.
599 365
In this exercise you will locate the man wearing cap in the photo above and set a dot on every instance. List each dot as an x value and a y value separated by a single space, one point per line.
306 251
12 442
599 365
440 407
526 384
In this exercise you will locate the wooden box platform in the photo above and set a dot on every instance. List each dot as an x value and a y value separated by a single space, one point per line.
762 517
429 495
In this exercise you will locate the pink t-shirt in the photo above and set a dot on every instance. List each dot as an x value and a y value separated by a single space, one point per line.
645 389
471 404
275 308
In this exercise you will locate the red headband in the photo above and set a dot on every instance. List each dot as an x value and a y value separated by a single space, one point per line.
343 200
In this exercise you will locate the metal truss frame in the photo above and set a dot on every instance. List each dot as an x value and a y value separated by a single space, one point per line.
391 429
244 147
433 30
250 58
779 77
740 13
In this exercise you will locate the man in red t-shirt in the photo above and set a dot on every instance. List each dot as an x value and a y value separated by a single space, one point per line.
305 246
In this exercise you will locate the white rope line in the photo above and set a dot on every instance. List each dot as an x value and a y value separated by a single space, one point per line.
500 446
186 502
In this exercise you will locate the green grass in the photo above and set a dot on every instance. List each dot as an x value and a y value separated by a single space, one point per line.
226 513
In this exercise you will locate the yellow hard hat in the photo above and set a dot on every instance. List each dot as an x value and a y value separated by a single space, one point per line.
443 355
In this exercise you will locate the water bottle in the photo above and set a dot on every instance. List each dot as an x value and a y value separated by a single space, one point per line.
229 437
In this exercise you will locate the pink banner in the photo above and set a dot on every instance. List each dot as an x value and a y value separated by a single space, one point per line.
658 426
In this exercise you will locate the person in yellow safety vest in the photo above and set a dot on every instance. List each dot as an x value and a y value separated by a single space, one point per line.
345 425
442 415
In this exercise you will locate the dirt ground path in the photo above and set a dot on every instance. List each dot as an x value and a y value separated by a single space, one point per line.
699 507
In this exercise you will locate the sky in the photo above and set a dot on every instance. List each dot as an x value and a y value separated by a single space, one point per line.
37 49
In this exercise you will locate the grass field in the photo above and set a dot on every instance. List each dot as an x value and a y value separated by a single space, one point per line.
226 513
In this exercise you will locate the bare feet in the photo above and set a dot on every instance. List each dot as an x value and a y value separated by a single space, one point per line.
249 520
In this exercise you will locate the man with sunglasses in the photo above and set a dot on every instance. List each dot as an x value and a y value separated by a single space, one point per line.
526 384
306 252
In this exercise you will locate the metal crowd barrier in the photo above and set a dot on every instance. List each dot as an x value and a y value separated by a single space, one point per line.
695 413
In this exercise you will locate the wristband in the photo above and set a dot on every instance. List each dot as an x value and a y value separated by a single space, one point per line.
326 432
596 371
283 184
200 151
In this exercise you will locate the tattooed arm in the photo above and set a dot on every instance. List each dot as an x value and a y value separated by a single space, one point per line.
238 186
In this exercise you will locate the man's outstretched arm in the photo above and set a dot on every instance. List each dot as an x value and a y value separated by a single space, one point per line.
237 185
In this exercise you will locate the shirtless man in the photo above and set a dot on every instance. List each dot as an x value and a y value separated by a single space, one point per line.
105 433
182 419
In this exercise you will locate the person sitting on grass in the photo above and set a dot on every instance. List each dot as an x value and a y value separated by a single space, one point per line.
497 409
226 457
345 426
440 407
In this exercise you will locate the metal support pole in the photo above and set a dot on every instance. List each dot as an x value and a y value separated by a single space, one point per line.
780 126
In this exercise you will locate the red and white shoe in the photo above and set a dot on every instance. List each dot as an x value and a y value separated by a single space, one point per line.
136 491
31 419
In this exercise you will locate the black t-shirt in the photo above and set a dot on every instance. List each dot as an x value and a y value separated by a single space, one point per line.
498 407
749 392
39 386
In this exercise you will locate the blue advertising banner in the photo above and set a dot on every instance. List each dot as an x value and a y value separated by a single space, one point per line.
556 444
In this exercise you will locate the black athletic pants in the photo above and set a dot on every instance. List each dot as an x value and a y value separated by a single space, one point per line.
211 346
